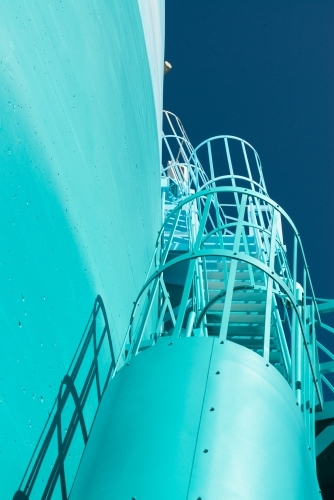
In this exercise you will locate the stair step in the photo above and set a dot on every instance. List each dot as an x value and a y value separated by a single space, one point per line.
249 343
216 264
243 318
229 246
179 227
241 274
243 307
247 295
220 285
242 266
237 330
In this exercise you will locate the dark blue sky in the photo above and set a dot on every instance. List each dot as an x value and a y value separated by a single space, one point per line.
264 71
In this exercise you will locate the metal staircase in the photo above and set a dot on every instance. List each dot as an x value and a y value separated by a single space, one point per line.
247 310
248 306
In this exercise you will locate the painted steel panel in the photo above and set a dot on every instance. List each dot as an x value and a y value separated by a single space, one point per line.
253 431
80 194
143 440
197 419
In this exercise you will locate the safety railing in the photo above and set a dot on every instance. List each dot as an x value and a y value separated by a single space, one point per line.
177 151
286 302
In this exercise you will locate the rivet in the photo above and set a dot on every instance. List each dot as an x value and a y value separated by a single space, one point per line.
297 403
212 409
217 373
205 451
222 342
267 364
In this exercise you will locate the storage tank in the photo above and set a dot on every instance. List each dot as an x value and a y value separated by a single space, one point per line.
81 108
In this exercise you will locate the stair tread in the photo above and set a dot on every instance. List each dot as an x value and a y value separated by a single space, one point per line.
219 285
243 295
245 318
241 273
249 307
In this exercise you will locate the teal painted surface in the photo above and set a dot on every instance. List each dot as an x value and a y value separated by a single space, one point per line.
227 426
79 195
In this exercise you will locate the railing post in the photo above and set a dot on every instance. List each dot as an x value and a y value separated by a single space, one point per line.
233 269
299 389
269 294
294 346
313 389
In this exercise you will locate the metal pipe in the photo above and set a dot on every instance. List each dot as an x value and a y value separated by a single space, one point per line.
190 324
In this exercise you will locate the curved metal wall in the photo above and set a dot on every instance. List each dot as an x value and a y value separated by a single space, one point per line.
194 418
79 193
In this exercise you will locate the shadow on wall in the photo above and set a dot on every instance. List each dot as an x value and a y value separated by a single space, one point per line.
58 452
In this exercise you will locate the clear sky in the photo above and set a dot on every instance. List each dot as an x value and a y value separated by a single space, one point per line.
264 71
